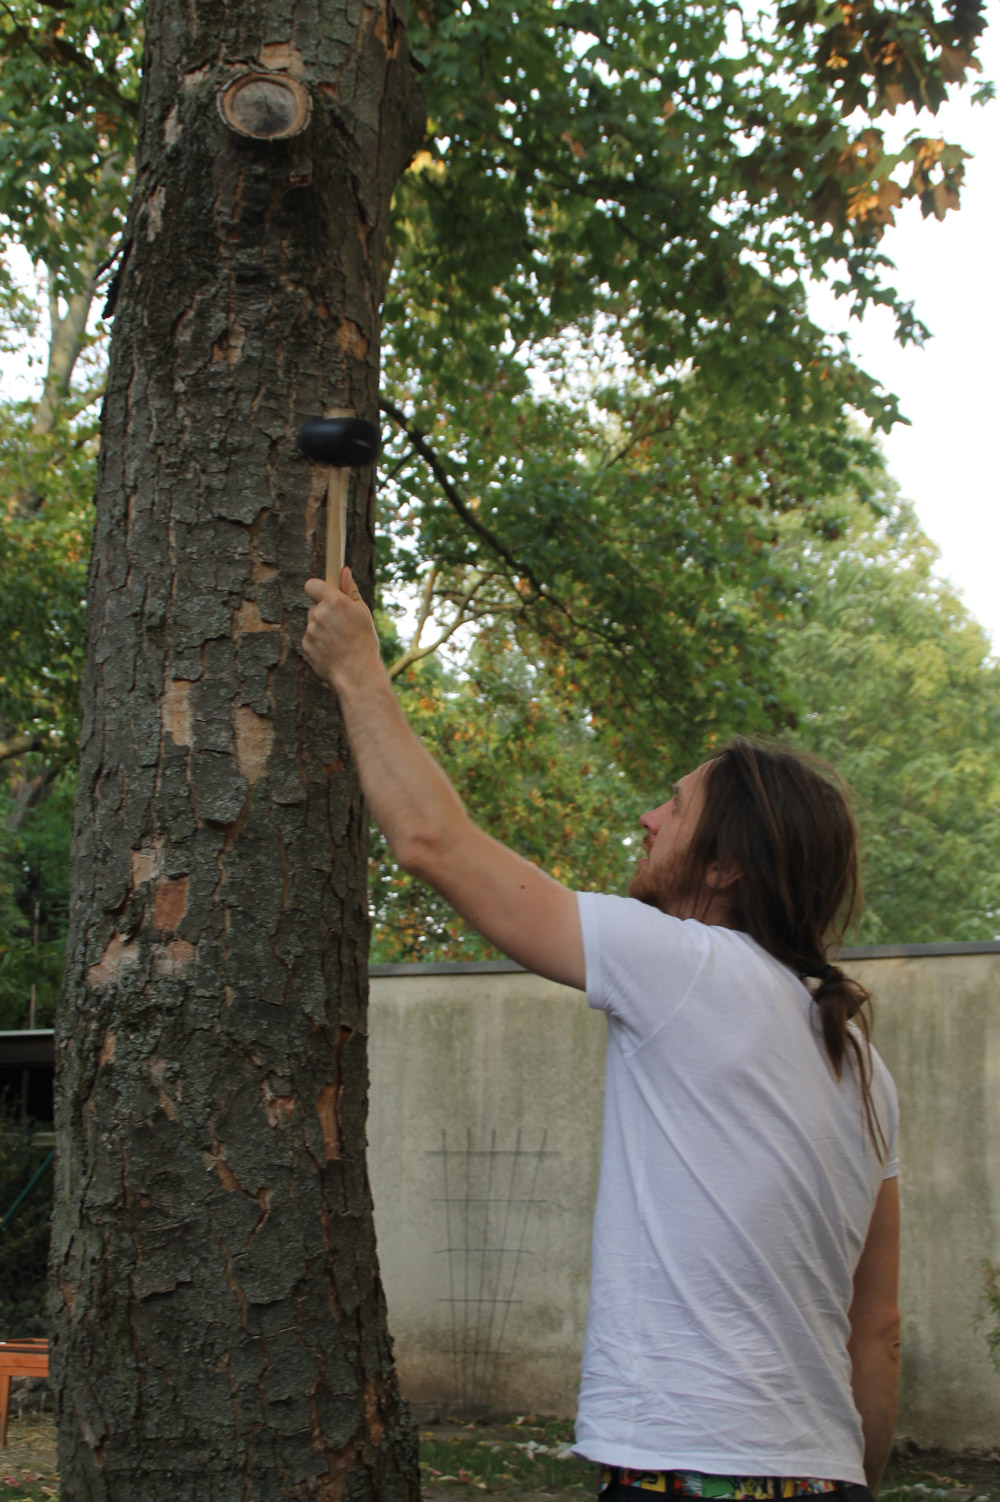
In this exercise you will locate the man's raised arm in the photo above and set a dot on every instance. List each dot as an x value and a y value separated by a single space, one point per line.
525 913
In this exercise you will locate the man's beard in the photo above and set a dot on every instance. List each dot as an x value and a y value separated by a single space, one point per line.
674 890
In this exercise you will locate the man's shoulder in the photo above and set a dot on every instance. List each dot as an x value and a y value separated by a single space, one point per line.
614 914
637 936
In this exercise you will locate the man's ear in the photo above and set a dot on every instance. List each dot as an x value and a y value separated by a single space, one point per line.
721 878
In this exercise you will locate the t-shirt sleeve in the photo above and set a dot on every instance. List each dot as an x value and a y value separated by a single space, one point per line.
640 963
887 1110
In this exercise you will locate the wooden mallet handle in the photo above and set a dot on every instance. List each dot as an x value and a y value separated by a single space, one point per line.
344 441
336 521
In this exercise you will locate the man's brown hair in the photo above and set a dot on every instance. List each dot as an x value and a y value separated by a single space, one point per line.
783 821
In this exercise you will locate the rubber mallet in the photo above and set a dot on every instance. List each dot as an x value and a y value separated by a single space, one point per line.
344 441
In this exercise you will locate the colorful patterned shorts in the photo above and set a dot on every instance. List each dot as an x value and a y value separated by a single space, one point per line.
697 1484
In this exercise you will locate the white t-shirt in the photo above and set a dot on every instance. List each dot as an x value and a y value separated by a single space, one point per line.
737 1185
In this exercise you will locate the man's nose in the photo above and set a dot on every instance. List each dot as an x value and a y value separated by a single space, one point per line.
653 818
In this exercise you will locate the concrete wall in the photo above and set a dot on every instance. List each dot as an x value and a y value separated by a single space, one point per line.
484 1149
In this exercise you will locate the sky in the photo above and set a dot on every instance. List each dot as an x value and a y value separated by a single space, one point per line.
948 461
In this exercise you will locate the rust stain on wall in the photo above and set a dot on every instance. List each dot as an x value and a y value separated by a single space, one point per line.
170 904
120 954
326 1110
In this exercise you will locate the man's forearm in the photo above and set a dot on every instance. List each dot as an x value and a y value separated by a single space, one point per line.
875 1384
409 795
520 909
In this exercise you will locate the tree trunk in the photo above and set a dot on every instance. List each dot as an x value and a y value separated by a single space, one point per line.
219 1327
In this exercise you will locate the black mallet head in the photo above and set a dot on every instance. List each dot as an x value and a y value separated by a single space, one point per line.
344 442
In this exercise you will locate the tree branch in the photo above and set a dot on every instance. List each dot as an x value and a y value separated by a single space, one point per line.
426 601
430 457
423 448
18 745
56 52
415 652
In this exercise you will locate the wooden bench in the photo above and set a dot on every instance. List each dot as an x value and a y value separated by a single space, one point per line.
19 1358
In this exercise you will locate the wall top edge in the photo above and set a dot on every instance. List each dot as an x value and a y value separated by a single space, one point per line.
849 952
917 951
508 967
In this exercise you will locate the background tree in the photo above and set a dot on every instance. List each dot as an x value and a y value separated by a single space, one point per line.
638 192
43 554
643 188
647 182
220 1328
68 86
900 693
887 677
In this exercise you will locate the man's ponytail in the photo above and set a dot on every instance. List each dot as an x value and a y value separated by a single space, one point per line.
782 820
844 1010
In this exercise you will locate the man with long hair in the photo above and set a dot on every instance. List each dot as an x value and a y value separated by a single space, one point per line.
743 1332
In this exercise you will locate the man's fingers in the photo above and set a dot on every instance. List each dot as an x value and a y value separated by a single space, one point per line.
347 584
318 589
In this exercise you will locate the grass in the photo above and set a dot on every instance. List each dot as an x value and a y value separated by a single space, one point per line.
528 1454
522 1455
26 1491
916 1479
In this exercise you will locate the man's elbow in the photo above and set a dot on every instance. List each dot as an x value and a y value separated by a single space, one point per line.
881 1330
423 852
413 853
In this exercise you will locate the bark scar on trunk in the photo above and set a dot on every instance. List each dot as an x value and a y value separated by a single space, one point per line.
254 739
119 955
175 959
283 55
215 1158
146 863
176 710
277 1108
248 618
326 1110
170 904
352 339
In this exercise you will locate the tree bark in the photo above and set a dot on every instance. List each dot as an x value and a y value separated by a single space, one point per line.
219 1328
